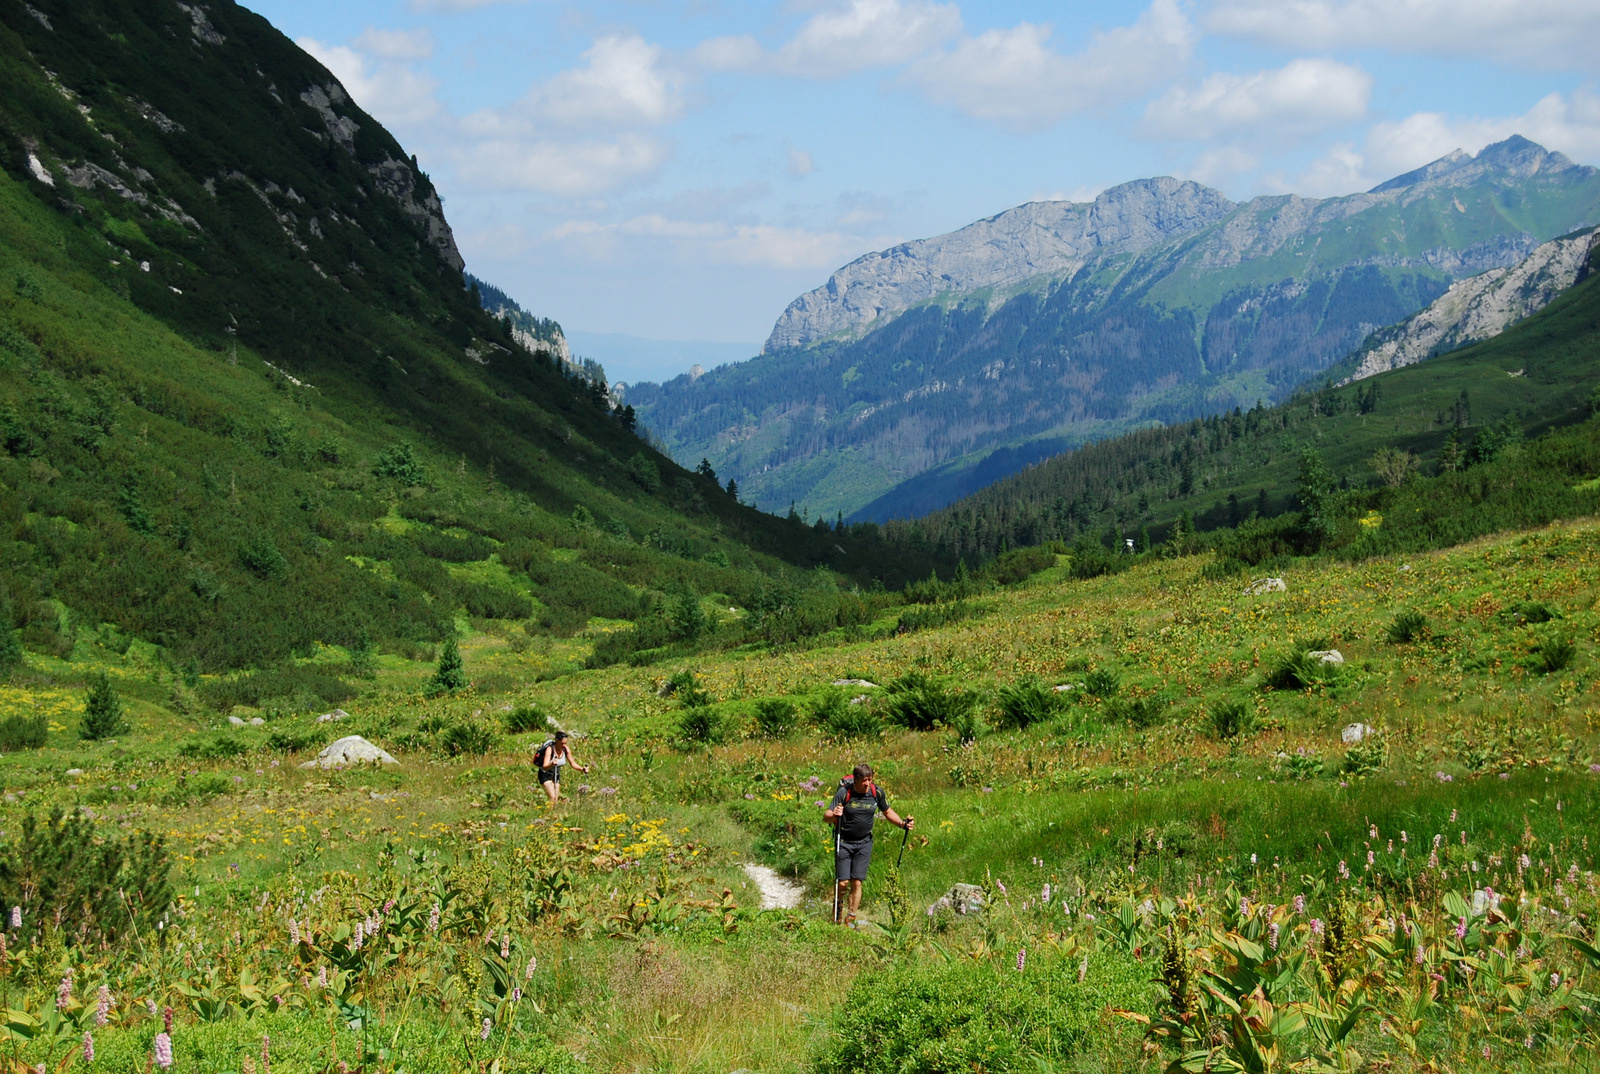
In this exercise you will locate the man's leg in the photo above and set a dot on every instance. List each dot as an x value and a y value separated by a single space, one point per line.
844 902
855 897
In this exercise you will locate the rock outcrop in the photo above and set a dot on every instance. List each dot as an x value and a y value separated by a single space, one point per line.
1480 307
348 751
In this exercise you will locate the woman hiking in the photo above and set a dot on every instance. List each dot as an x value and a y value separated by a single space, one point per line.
855 806
551 758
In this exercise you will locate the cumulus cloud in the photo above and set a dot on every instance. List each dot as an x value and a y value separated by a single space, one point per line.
1014 77
623 82
714 242
1565 123
396 44
1545 33
566 168
395 94
866 34
1303 97
800 163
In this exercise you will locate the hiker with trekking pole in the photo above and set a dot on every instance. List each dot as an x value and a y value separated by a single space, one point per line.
550 759
855 806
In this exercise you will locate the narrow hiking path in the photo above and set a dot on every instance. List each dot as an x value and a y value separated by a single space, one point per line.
777 892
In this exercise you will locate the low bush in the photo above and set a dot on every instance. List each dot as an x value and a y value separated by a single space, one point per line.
1231 719
306 687
1102 683
468 738
1298 669
1407 626
961 1016
776 717
684 686
701 725
928 616
285 740
1553 652
214 748
23 733
920 703
1366 757
1144 710
842 721
1027 702
525 718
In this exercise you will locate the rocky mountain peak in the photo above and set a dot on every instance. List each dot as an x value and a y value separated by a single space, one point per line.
1514 158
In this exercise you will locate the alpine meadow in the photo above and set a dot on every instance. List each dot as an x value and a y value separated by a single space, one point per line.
383 690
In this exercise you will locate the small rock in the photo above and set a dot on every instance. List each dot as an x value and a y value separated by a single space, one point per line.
350 750
860 699
1067 687
1326 656
74 771
1266 585
1405 566
962 898
257 721
1355 733
855 682
234 721
330 717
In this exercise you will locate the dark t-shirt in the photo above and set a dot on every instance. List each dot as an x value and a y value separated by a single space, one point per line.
859 812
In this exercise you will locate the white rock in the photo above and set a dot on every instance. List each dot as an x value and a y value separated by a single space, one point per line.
257 721
74 771
1326 656
350 750
855 682
1355 733
1266 585
234 721
1067 687
330 717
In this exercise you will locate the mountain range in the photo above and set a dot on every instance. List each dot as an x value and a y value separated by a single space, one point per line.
918 374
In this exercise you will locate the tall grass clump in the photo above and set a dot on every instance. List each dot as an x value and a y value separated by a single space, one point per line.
1231 720
1553 652
1102 683
525 718
1027 702
1407 626
918 702
842 721
776 717
1298 669
701 725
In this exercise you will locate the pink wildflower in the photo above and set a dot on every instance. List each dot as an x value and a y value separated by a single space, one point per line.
88 1047
163 1050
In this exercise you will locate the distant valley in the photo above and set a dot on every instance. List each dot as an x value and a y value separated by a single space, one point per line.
918 374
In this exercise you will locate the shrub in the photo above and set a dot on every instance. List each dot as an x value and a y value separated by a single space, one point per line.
88 884
838 719
1407 626
450 675
213 748
1102 683
23 733
1232 719
1366 757
261 558
525 718
1552 653
930 616
701 725
684 686
468 738
492 602
308 686
776 717
102 711
1018 565
1531 612
400 462
1143 711
1027 702
282 740
961 1016
920 703
1297 669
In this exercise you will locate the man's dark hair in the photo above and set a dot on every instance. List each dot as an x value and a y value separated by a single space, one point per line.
863 771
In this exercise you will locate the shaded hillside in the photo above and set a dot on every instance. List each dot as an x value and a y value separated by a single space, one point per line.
247 404
904 406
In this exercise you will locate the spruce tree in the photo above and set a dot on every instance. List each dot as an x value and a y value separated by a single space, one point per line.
102 711
450 675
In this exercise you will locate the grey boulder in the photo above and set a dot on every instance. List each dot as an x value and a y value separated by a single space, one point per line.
348 751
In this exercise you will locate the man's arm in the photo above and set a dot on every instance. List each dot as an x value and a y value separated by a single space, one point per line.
894 818
835 810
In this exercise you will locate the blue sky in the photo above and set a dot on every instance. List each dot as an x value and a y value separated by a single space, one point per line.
682 169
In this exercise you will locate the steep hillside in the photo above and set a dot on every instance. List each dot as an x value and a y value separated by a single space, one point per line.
247 403
1051 326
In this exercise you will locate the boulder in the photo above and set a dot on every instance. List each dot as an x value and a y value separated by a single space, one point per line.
1266 585
235 721
1326 656
1356 733
1067 687
961 898
330 717
74 771
347 751
856 682
257 721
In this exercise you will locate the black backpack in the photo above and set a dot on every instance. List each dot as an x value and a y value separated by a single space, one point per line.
547 752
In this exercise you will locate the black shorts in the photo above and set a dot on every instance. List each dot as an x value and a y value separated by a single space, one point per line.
850 860
550 775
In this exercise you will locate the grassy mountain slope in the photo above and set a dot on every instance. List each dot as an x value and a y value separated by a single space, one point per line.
248 404
1536 376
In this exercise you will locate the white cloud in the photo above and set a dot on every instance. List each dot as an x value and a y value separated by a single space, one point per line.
396 44
866 34
1568 124
1303 97
1545 33
800 163
714 242
624 83
1015 78
396 95
576 168
1217 166
741 53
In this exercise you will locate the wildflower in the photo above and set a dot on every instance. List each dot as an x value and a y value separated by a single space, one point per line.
1503 775
150 1005
1463 838
516 994
266 1054
1452 816
102 1006
322 977
488 1027
1433 859
294 932
1244 907
64 992
1404 838
388 904
163 1050
1486 1051
1438 839
1022 958
1524 863
1252 859
16 917
1044 896
1461 929
166 1020
1001 885
1372 831
1344 871
433 918
1595 768
1555 981
1272 935
533 964
505 946
1299 904
1444 777
1422 956
1316 926
1370 858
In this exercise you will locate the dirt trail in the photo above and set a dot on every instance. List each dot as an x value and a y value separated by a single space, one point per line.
777 892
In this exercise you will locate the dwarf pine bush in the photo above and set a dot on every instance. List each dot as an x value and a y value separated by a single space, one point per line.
776 717
102 711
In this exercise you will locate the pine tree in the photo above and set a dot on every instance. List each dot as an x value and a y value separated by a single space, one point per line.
450 675
102 711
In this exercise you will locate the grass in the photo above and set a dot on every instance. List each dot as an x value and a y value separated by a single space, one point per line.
658 957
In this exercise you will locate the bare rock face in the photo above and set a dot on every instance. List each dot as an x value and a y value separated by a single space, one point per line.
1480 307
397 180
1042 238
348 751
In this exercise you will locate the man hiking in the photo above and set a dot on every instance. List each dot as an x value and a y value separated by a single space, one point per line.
551 757
855 806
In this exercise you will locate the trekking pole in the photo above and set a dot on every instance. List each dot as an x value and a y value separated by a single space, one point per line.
835 875
905 834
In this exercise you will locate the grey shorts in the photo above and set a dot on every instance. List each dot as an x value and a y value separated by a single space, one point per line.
850 860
